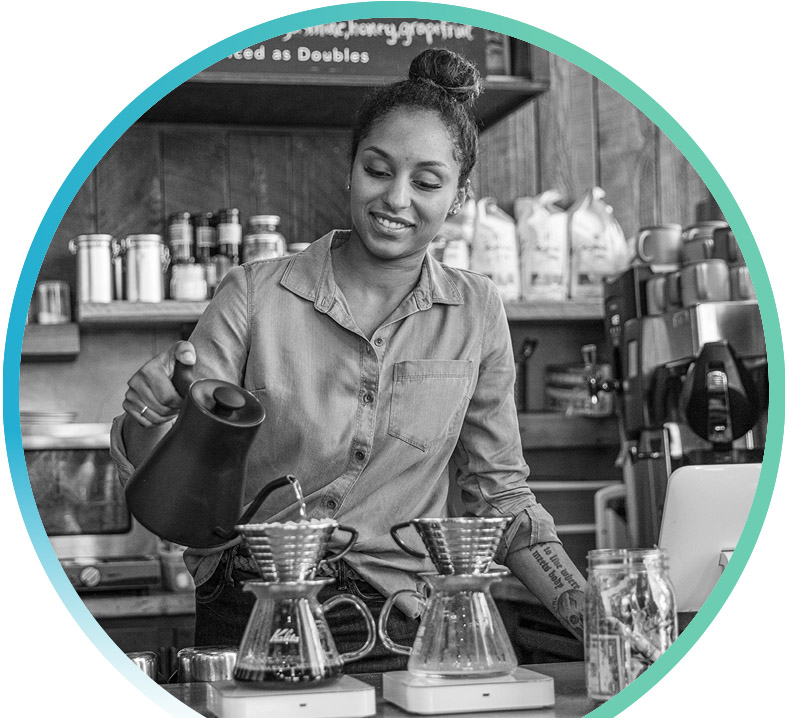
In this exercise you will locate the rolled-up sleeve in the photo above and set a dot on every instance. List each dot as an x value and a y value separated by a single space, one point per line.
490 470
117 450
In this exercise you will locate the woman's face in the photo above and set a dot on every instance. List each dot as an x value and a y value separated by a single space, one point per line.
404 180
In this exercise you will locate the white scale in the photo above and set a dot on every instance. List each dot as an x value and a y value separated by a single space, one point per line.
346 698
522 689
351 698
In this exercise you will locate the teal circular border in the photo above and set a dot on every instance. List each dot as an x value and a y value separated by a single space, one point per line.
478 18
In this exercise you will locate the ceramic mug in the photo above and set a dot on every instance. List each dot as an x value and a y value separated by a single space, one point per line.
726 247
673 289
656 295
741 282
706 281
659 245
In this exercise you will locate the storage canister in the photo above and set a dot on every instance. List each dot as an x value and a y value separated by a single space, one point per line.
630 617
229 235
263 241
94 253
181 235
146 261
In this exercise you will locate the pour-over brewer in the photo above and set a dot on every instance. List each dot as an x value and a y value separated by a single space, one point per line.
689 360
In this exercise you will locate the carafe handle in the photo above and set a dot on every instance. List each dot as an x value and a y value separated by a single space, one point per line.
368 621
334 557
407 549
383 619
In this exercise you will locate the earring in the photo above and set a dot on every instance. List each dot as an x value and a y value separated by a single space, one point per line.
454 210
348 187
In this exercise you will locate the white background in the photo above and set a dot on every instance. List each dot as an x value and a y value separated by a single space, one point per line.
70 68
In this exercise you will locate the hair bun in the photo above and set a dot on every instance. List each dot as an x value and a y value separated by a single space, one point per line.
449 71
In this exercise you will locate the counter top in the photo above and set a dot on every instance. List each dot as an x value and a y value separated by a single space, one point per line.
570 695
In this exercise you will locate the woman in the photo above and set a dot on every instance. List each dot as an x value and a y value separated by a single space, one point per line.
384 374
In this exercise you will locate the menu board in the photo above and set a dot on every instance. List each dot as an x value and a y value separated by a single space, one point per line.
372 47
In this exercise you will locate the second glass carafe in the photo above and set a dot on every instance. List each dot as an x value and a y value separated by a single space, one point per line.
461 633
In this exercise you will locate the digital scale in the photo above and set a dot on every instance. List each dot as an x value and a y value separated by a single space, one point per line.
346 698
521 689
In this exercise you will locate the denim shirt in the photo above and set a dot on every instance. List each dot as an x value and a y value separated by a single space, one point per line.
373 429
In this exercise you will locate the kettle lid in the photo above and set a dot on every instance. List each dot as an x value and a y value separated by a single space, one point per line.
227 402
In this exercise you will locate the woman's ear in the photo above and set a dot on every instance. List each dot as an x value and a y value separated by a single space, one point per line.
460 197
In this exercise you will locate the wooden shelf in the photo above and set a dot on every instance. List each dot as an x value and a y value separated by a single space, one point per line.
124 314
308 100
170 312
548 430
50 342
549 311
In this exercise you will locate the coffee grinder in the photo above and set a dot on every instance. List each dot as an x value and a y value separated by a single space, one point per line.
690 371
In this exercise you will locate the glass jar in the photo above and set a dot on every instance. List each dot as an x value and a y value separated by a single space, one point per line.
180 232
229 234
630 617
205 247
263 241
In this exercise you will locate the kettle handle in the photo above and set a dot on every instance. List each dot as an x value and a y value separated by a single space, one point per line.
182 377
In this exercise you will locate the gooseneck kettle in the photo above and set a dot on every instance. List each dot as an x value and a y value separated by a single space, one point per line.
190 489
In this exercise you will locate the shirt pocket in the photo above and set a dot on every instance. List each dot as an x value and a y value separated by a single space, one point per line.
427 400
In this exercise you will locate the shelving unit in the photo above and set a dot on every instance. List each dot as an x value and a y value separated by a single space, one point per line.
326 101
170 312
50 342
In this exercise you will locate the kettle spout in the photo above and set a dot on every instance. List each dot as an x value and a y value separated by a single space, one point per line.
256 503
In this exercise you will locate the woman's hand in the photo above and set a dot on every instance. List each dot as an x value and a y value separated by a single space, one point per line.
151 398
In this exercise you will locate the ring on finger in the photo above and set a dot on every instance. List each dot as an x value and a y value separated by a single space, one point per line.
144 409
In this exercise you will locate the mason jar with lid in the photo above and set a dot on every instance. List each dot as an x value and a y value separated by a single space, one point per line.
630 617
181 237
229 234
205 247
263 240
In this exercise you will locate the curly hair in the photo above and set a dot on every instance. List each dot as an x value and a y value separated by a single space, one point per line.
439 81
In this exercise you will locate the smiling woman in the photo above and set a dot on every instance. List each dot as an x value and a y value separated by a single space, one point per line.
386 377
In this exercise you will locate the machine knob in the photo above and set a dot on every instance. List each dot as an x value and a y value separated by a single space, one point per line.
90 576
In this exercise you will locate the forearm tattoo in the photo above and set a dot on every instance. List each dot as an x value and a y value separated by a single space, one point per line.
568 604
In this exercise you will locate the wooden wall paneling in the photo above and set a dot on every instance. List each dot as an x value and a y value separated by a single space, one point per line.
129 192
79 218
507 163
194 170
261 176
320 174
627 160
680 187
568 132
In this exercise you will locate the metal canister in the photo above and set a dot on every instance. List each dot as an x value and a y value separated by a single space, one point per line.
630 617
146 661
95 254
206 664
146 261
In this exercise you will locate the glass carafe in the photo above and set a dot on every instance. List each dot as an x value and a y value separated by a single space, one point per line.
461 634
287 642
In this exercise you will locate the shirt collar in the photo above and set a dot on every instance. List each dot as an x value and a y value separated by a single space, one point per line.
310 275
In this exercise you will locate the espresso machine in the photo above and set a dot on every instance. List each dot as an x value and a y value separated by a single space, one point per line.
690 369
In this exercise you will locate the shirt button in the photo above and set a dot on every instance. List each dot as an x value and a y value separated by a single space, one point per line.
331 504
378 341
360 455
369 398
